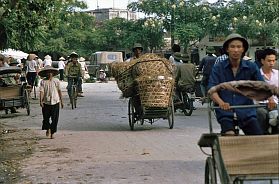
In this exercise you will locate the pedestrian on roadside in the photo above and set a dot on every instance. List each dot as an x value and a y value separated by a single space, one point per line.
31 69
234 68
47 61
50 99
61 67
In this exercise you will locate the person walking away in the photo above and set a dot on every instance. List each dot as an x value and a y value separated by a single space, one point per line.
234 68
74 74
268 117
50 99
47 61
31 69
206 66
61 67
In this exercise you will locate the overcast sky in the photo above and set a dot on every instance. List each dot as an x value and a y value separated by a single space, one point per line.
122 4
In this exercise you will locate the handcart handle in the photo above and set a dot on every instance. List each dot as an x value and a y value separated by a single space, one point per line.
241 106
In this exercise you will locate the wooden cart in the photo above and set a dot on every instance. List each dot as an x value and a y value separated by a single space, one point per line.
13 95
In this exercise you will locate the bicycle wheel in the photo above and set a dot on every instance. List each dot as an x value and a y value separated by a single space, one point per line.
171 115
188 104
210 173
72 96
26 102
131 113
75 97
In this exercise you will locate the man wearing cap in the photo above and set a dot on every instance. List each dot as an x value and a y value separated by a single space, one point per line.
137 51
50 98
206 66
232 69
61 67
74 73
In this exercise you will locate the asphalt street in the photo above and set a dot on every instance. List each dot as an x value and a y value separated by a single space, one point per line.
94 143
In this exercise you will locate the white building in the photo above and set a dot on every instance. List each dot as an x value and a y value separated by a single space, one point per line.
110 13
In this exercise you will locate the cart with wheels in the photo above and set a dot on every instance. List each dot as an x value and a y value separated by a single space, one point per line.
241 159
149 114
13 95
153 100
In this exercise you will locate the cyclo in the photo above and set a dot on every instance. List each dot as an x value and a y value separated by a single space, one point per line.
241 158
13 95
148 83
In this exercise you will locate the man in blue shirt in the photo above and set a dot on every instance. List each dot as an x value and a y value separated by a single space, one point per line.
234 68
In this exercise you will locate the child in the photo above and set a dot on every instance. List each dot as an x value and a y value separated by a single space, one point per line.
50 98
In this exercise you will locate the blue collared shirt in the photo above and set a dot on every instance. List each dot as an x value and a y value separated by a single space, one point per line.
222 72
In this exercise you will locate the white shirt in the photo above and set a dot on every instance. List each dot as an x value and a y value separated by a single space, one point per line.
31 66
272 81
47 62
61 65
50 90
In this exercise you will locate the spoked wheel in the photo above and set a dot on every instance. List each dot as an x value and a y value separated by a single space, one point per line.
26 101
131 113
75 97
171 115
210 172
188 104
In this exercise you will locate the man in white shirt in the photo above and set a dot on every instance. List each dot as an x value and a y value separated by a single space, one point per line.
269 117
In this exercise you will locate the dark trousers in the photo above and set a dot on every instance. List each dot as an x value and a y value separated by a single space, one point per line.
61 72
31 76
50 112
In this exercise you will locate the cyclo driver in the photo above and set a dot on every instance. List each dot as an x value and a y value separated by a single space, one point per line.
74 73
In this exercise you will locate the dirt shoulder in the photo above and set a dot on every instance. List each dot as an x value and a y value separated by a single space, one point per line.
15 145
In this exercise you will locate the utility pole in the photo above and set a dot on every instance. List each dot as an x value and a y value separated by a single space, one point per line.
97 5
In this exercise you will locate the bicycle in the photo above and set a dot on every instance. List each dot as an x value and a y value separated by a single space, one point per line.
188 98
73 92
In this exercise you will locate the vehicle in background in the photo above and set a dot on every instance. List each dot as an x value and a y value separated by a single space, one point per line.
100 60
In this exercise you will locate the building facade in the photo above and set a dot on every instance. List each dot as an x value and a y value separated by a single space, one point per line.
110 13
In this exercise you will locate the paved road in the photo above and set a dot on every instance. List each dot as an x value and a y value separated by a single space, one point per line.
94 144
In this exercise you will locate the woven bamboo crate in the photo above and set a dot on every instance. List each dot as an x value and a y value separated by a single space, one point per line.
155 91
152 64
122 73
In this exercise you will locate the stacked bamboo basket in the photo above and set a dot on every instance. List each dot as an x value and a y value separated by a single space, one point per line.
150 77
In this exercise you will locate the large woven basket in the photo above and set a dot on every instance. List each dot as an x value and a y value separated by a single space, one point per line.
122 72
155 91
152 64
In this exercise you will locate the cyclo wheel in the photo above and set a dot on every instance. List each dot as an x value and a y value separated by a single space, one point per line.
171 115
188 104
75 97
26 101
210 172
131 113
